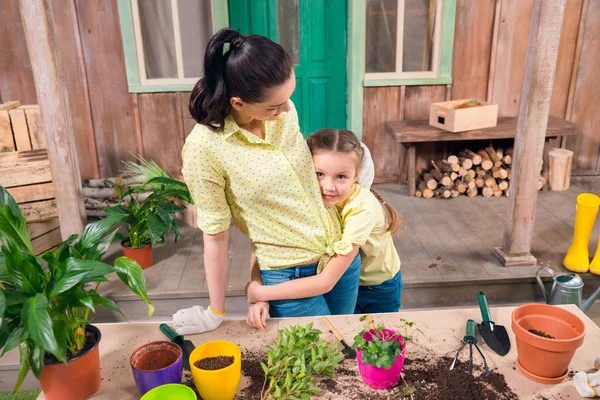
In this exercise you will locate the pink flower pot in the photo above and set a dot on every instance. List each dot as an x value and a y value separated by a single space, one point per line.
381 378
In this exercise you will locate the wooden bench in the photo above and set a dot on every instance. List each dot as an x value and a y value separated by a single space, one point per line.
407 133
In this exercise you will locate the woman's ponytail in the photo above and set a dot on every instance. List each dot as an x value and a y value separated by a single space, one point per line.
236 65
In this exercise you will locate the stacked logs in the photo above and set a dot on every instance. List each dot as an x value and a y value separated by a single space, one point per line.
101 193
486 172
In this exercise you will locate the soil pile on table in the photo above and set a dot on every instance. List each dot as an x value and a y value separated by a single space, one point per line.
214 363
541 333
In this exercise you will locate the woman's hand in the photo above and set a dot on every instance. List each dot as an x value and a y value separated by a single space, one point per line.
253 292
257 315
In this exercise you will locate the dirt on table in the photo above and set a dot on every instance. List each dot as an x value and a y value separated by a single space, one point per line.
541 333
214 363
429 376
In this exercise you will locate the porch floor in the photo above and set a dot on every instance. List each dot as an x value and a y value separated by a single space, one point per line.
442 244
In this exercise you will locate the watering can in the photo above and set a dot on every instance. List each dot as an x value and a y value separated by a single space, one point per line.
566 289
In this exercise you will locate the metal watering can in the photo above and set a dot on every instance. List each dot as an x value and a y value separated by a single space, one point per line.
566 289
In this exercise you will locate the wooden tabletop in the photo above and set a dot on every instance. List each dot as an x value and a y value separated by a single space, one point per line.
421 131
442 331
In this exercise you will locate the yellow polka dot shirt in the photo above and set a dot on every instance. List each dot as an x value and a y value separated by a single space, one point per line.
268 187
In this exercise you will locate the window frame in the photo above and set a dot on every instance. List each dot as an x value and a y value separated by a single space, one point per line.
442 54
136 80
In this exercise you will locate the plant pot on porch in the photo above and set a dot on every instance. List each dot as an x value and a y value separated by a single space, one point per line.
78 378
547 337
143 255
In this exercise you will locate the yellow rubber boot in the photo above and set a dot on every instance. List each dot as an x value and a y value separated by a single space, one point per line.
595 264
578 257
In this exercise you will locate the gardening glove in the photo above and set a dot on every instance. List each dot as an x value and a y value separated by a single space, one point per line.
197 320
367 169
588 385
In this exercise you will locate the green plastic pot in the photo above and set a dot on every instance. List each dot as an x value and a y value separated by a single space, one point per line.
171 391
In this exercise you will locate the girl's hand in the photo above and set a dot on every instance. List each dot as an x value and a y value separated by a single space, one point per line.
257 315
253 291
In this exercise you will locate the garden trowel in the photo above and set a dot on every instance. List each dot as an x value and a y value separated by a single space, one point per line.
495 336
347 351
186 345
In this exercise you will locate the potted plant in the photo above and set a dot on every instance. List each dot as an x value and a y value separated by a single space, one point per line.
148 219
547 337
45 302
380 353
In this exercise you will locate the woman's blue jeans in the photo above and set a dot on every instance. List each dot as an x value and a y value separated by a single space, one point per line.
340 300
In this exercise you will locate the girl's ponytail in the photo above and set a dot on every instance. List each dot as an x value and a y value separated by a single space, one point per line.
392 217
246 68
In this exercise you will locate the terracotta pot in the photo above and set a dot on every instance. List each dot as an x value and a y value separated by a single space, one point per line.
542 359
143 255
77 379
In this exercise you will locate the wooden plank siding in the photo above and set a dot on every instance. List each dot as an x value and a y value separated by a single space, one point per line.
489 54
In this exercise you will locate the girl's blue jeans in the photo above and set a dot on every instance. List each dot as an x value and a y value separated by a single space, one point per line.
380 298
340 300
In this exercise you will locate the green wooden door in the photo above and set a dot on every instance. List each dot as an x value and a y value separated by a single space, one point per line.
313 32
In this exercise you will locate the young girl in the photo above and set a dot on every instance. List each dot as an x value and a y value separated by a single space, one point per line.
368 222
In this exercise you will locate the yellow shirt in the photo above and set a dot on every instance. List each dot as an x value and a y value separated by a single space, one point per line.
268 187
364 224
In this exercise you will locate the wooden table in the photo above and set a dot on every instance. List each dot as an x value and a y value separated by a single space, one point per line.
442 331
407 133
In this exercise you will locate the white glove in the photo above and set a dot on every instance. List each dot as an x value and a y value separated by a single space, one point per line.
367 169
196 320
588 385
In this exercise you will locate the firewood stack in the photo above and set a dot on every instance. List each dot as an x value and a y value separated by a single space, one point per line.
486 172
99 193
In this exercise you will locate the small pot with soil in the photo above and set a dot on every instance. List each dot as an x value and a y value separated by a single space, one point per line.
547 337
216 368
155 364
79 377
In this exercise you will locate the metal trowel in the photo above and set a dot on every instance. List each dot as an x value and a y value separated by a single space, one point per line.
495 336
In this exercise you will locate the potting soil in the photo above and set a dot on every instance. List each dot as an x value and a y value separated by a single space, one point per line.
90 341
541 333
214 363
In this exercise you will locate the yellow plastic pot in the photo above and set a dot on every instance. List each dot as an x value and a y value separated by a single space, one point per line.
221 384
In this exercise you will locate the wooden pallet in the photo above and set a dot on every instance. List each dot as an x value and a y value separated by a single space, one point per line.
21 127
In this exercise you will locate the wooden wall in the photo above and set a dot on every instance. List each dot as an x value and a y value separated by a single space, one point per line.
490 41
489 54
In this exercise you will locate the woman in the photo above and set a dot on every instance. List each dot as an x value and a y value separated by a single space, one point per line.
247 161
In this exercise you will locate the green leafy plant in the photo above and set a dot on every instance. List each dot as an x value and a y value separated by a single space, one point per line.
45 301
384 346
148 219
294 359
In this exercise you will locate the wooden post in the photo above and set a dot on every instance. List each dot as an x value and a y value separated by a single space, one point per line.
540 66
42 44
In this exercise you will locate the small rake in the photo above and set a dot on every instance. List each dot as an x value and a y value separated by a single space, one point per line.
471 340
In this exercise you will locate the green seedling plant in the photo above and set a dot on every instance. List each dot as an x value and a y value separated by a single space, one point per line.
45 300
294 360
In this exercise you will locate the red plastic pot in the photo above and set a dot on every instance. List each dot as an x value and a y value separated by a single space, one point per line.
143 255
542 359
381 378
78 378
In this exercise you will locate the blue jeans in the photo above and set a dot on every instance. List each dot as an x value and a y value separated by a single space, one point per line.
307 307
380 298
342 298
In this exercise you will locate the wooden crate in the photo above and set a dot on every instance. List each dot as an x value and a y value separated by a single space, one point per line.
21 127
447 116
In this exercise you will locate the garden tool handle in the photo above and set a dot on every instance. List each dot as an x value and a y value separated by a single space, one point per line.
537 277
332 329
483 306
170 333
371 325
470 336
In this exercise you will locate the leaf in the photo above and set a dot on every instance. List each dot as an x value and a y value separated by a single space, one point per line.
24 360
94 231
16 337
37 321
2 307
61 331
77 271
156 227
132 275
12 223
105 302
36 358
408 390
362 318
